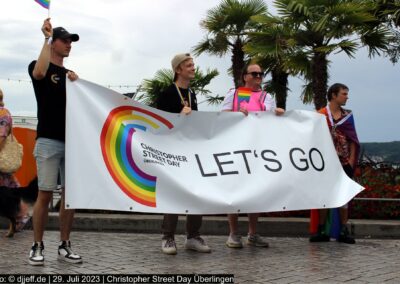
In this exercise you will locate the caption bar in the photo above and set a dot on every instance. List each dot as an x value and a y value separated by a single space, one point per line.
116 278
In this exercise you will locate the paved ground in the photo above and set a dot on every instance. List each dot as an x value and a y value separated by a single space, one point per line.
288 260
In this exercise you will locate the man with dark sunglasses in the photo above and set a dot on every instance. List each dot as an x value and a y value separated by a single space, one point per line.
247 99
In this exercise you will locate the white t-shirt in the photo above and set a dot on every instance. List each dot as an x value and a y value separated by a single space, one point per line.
227 104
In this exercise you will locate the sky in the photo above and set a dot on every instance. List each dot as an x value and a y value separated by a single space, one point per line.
123 42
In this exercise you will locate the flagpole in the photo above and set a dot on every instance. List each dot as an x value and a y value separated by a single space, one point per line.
48 10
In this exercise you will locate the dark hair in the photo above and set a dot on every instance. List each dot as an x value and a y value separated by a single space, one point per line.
335 89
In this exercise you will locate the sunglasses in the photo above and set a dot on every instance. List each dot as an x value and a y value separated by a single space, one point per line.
256 74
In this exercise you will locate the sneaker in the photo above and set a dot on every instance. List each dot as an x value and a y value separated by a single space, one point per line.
234 241
344 237
197 244
36 255
65 253
168 246
256 241
320 236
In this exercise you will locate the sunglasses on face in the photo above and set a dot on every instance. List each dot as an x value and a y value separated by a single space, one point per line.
256 74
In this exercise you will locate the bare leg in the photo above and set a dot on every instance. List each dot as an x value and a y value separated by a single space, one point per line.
253 218
66 219
233 223
23 212
40 214
344 215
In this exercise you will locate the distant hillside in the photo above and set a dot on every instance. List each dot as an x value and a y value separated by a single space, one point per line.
387 151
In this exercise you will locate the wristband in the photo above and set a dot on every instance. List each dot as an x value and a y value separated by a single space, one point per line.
49 40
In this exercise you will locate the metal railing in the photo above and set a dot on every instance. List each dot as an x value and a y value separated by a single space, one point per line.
376 199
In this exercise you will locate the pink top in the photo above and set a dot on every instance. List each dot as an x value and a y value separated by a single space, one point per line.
259 101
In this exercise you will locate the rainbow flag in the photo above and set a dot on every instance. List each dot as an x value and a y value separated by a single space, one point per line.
332 224
244 95
44 3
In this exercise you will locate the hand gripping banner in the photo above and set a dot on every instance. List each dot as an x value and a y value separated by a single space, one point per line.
123 155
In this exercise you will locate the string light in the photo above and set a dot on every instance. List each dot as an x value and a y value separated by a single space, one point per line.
120 86
16 80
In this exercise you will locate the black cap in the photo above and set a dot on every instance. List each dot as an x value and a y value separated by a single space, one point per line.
62 33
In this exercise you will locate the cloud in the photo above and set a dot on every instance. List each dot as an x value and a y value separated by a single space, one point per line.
123 42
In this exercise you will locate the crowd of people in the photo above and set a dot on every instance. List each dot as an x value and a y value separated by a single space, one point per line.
49 77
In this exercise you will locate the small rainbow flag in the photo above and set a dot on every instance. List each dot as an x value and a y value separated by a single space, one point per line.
244 95
44 3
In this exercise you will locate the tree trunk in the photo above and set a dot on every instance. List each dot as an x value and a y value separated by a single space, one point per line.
237 62
319 69
280 83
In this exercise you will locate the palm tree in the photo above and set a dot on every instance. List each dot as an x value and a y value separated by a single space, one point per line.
151 88
388 11
324 27
273 48
227 26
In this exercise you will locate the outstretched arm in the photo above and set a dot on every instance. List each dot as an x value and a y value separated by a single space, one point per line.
43 62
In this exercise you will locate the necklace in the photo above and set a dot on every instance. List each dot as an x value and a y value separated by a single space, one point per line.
182 99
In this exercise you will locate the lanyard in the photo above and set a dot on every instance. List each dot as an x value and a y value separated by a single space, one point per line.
333 125
182 99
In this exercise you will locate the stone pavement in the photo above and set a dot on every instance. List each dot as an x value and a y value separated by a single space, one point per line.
288 260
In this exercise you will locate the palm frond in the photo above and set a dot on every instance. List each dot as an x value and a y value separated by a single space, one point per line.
307 93
152 88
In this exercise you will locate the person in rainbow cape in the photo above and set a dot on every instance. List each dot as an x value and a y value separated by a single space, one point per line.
327 223
249 98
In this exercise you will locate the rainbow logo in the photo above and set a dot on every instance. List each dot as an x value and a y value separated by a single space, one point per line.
244 95
116 147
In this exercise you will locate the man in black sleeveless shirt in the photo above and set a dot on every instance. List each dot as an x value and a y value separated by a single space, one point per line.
178 98
48 76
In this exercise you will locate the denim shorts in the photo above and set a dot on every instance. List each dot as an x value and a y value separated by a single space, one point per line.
50 162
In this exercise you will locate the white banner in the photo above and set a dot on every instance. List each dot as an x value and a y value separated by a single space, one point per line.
122 155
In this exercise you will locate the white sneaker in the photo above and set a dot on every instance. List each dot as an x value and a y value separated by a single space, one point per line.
36 255
168 246
65 253
234 241
256 241
197 244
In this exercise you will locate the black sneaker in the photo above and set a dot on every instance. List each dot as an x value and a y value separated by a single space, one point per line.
320 237
65 253
344 237
36 255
